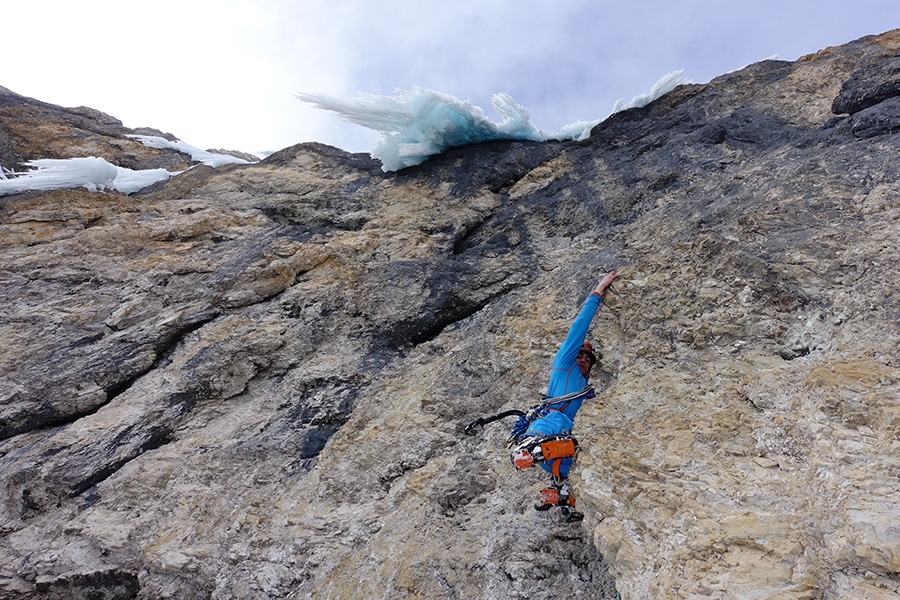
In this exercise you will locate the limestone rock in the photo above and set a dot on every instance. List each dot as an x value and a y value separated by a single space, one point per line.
31 129
251 381
236 153
869 86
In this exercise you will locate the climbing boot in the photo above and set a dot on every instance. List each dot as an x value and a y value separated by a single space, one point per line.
567 505
523 455
559 495
549 498
571 515
555 495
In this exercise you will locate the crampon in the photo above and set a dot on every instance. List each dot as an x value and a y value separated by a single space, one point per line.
559 495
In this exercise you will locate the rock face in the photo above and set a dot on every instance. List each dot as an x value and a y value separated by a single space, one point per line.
251 381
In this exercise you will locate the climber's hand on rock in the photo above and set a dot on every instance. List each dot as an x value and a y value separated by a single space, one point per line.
605 282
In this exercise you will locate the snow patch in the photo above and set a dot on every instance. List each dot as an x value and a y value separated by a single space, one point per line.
92 173
129 181
197 155
666 84
97 174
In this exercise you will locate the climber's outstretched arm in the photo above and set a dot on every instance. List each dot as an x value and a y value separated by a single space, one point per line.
605 283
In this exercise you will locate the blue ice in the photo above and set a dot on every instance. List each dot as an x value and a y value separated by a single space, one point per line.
418 123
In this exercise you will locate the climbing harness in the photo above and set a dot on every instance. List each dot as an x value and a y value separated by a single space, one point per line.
542 410
535 450
535 412
532 450
552 449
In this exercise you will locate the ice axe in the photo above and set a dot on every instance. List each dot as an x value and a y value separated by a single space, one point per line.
482 421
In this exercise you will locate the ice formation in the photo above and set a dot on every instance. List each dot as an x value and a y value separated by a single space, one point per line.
202 156
414 124
55 174
418 123
97 174
666 84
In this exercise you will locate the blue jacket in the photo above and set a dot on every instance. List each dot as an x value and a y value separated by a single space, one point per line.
565 378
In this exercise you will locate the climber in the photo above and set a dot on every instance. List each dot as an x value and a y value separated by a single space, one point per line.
543 435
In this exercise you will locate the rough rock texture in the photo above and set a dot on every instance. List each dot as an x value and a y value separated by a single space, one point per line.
250 382
31 129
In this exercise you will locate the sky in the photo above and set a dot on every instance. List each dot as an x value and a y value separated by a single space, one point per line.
225 73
